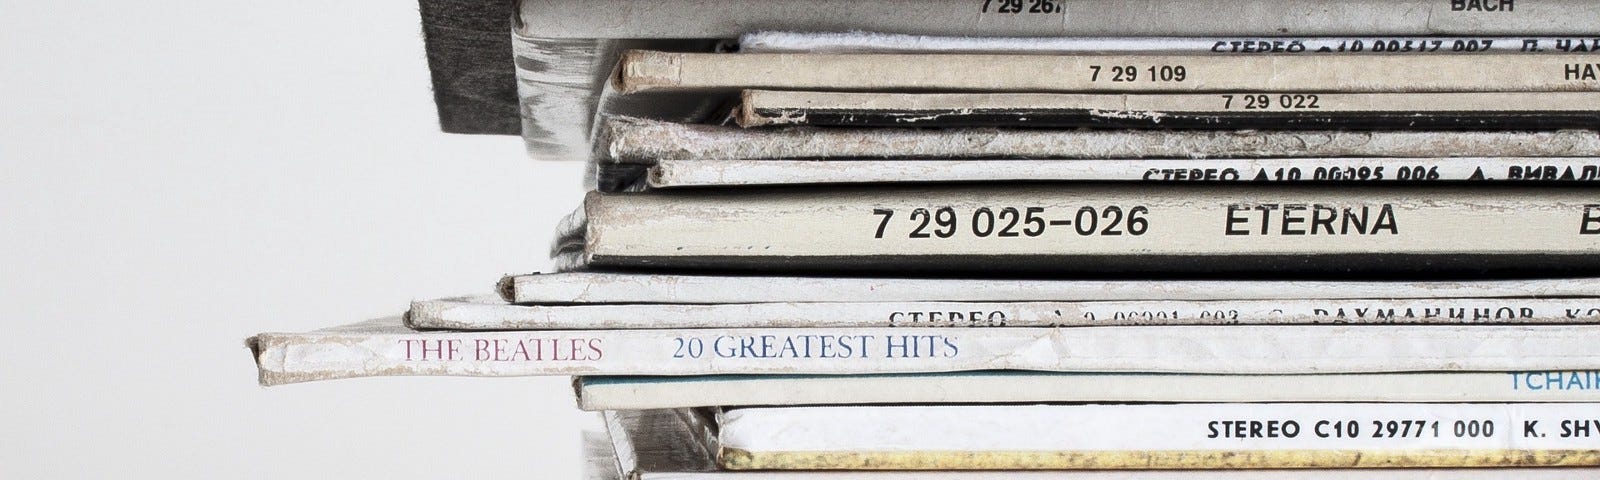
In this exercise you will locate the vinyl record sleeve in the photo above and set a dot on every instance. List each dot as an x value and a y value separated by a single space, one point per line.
629 288
1135 436
643 70
481 313
1222 110
672 174
644 392
731 18
1060 229
386 348
671 445
634 140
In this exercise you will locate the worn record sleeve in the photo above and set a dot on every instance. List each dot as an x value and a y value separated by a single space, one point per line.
998 230
642 70
632 288
469 58
1245 109
672 445
731 18
641 392
1170 436
671 174
877 42
633 140
479 313
387 348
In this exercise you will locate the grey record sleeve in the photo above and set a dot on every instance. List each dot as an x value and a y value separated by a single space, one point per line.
468 45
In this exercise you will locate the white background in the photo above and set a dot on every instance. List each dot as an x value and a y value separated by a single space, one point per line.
176 176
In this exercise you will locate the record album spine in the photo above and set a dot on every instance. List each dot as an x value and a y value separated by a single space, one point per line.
1266 110
667 174
630 393
633 140
643 70
445 314
326 355
1183 436
610 288
1103 228
731 18
867 42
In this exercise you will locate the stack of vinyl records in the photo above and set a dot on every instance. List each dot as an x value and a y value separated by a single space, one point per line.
981 239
